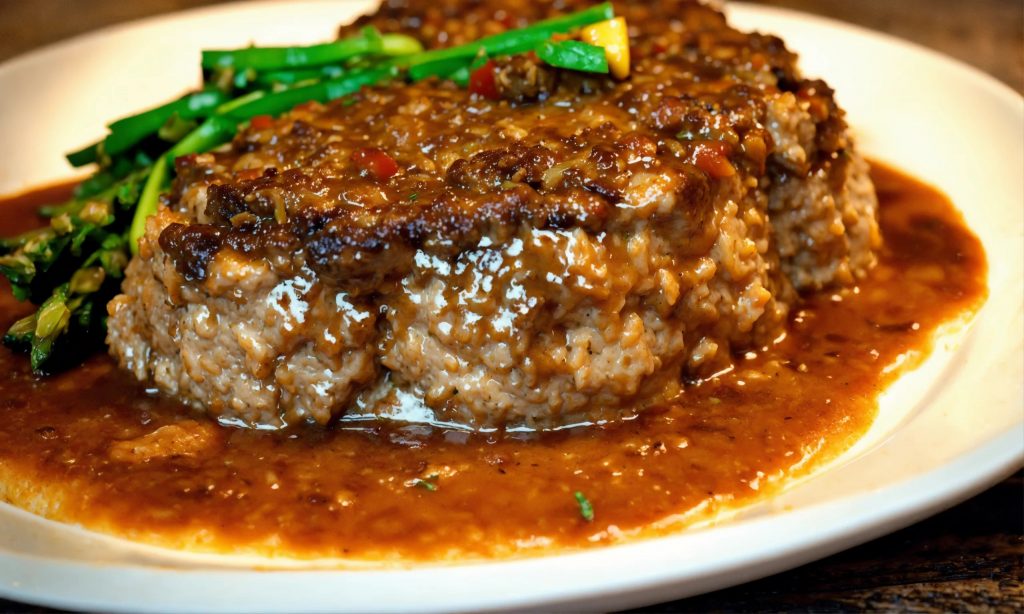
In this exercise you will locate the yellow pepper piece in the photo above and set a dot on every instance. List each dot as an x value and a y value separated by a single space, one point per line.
613 35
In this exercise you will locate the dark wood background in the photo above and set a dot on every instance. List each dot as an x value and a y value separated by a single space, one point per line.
969 558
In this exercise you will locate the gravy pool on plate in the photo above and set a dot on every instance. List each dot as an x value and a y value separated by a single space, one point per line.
92 447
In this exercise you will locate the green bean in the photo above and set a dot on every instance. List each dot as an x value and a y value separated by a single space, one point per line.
460 76
127 132
429 63
574 55
442 67
291 77
175 128
275 104
276 58
86 155
233 104
368 42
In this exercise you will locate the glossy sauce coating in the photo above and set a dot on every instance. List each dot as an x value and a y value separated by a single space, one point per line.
377 491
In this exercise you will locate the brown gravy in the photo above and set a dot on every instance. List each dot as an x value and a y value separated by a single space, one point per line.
378 491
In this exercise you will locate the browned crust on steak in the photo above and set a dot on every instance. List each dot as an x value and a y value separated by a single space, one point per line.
708 83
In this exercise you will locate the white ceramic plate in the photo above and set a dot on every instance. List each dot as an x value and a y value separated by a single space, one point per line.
946 431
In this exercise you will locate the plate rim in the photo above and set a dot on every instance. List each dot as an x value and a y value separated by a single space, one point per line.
999 456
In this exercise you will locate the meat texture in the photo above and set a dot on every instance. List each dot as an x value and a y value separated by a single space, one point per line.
572 252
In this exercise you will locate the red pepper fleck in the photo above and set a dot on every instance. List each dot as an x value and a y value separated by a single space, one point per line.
261 122
712 157
375 162
482 82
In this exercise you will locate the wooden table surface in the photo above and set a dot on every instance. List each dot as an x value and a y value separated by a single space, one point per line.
969 558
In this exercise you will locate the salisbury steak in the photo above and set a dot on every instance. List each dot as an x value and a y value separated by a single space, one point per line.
569 251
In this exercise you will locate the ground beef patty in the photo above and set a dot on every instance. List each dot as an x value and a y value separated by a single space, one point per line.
572 251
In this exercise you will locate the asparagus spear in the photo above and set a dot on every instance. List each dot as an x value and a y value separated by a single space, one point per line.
367 42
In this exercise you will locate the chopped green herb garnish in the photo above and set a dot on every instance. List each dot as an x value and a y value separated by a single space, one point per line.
414 196
586 508
427 483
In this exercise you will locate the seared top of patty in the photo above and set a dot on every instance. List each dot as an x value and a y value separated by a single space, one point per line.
360 184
